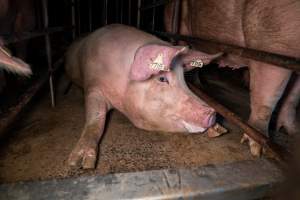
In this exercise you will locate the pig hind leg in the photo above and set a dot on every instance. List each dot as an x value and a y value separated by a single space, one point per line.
267 83
287 114
85 152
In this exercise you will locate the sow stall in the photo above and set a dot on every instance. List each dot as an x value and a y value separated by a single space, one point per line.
39 132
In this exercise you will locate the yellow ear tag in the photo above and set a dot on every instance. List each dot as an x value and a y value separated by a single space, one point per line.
197 63
157 63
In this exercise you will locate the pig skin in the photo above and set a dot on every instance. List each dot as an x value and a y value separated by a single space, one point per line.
271 26
112 66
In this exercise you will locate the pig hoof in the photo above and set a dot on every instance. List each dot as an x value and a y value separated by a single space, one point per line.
255 148
83 157
216 131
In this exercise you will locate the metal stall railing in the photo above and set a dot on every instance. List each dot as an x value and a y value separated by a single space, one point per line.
280 60
47 31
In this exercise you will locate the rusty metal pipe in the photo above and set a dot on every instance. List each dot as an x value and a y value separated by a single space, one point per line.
233 118
153 5
276 59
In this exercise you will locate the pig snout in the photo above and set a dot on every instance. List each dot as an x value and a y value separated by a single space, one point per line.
199 117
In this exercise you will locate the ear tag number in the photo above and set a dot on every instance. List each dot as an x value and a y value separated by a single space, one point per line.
197 63
157 64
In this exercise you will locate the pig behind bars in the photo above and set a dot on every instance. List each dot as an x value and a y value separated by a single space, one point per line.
271 26
140 75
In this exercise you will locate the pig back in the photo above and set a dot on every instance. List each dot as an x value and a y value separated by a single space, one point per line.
268 25
104 57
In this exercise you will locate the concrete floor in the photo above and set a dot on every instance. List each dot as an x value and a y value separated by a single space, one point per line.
41 142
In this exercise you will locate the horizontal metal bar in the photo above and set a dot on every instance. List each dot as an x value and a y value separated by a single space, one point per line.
257 136
276 59
30 35
158 3
8 118
239 180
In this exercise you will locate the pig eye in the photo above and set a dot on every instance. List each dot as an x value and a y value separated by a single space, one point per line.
163 79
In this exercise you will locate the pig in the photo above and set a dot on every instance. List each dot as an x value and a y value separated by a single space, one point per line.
141 76
271 26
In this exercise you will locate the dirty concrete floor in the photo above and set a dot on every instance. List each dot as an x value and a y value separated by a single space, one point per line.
41 142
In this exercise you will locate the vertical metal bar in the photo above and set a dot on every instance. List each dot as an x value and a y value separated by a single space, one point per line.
175 18
129 12
90 15
78 18
48 51
121 11
105 12
73 19
138 23
153 16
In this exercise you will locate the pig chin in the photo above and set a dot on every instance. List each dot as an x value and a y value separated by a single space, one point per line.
191 128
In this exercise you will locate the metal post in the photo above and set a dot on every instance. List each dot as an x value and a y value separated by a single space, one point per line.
138 23
90 16
175 18
121 11
153 16
73 19
129 12
78 17
48 51
105 12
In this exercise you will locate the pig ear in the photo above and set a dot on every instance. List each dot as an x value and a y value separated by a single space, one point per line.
193 59
151 59
13 64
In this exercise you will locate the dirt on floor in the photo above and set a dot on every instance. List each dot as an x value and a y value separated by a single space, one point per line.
40 143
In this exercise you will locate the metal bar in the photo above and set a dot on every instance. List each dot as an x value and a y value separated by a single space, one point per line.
158 3
90 15
129 12
78 18
276 59
153 17
105 12
48 51
31 35
175 18
233 118
9 118
121 11
73 20
252 179
138 21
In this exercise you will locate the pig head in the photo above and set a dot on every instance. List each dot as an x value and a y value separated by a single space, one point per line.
158 97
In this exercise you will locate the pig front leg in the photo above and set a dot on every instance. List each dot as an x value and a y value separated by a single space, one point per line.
287 114
85 152
267 84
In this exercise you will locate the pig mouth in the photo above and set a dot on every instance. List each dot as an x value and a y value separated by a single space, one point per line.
191 128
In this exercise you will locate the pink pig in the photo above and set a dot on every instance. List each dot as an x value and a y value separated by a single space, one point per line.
140 75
